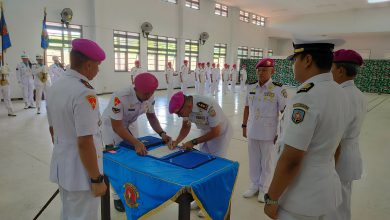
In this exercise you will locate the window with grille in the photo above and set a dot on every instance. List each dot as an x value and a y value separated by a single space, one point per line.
170 1
242 53
220 54
221 10
270 53
258 20
161 50
60 39
257 53
192 53
126 50
244 16
192 4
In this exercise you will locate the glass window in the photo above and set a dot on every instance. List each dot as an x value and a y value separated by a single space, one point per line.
126 50
258 20
191 48
242 53
244 16
257 53
220 54
270 53
161 50
170 1
192 4
221 10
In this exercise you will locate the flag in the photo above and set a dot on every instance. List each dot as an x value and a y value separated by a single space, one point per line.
5 39
44 35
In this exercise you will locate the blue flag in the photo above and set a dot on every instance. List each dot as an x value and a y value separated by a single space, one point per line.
44 35
5 39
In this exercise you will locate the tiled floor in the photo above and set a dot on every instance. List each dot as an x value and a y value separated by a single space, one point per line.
25 151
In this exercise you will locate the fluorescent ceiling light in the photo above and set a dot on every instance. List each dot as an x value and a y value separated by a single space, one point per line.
377 1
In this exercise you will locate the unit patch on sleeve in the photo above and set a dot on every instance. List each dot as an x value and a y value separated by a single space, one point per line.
92 101
298 115
117 101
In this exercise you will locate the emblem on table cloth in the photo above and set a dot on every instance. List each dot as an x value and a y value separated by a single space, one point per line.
117 101
92 101
298 115
131 195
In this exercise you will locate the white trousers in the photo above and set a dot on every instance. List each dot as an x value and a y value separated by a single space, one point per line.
233 85
197 86
28 91
184 87
218 146
285 215
6 95
224 87
79 205
242 85
343 212
169 90
39 90
262 157
201 89
207 86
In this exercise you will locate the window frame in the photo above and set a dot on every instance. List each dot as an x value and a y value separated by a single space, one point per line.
170 1
167 54
244 16
133 36
256 53
191 55
193 4
258 20
219 58
221 10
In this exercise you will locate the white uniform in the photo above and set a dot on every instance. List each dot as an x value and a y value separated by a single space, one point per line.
225 80
218 79
169 74
196 73
73 111
5 92
134 72
349 166
41 82
264 102
185 78
233 79
243 79
214 81
207 83
25 77
315 120
202 80
206 113
55 72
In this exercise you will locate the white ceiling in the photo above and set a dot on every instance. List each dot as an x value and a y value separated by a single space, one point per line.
277 8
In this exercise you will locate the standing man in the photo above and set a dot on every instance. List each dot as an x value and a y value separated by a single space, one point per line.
135 71
196 74
5 89
207 84
305 184
213 79
346 64
74 120
169 79
202 79
56 70
184 76
122 112
25 78
216 130
243 77
41 81
263 103
218 79
233 77
225 78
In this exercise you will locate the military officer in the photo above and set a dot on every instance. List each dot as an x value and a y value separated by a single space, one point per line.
243 77
74 120
225 77
5 89
56 70
305 183
213 79
207 115
123 110
202 79
349 166
196 74
218 76
264 101
25 78
207 84
135 71
41 81
169 79
233 77
184 76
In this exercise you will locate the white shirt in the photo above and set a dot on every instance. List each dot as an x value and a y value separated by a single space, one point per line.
41 75
201 75
225 74
264 102
233 73
320 116
55 72
349 166
72 111
170 74
208 73
196 72
184 73
135 71
244 75
214 74
24 72
124 105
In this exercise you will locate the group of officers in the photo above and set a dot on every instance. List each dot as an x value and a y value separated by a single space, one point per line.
30 76
303 152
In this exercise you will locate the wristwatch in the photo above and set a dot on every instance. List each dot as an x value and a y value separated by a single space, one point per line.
194 142
99 179
269 201
243 126
161 133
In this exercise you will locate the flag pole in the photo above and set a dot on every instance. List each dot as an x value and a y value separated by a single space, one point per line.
44 50
2 42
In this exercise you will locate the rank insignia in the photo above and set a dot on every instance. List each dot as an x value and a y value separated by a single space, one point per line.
298 115
306 87
277 84
86 84
117 101
116 110
284 93
92 101
202 105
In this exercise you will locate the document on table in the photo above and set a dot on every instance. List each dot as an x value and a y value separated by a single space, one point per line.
162 151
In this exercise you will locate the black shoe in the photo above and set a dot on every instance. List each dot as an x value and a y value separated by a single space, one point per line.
31 106
11 115
119 205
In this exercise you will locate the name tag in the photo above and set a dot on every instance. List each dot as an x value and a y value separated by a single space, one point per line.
131 109
269 94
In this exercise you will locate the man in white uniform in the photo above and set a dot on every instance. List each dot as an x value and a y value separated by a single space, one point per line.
213 79
5 92
169 79
184 76
263 103
305 185
218 79
233 77
202 79
207 84
135 71
196 74
56 70
349 165
41 81
208 116
243 77
74 120
225 78
25 77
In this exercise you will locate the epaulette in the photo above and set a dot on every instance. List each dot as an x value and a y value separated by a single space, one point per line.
277 84
202 105
86 84
253 83
306 87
